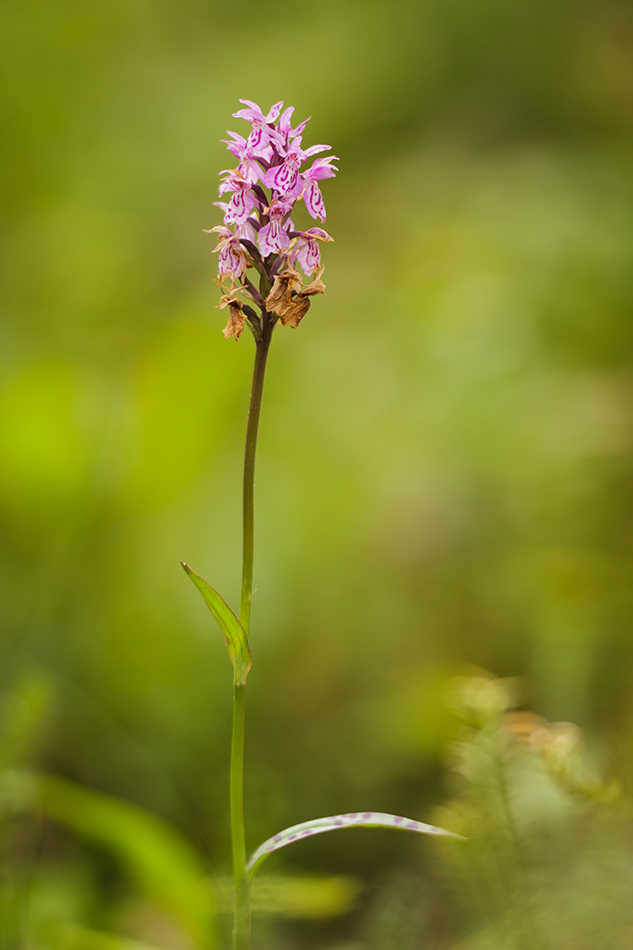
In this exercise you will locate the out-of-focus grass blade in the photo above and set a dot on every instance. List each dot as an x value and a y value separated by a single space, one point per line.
162 862
300 897
83 938
234 633
367 819
23 710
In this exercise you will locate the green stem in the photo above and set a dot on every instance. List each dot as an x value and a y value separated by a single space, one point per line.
241 927
259 371
237 784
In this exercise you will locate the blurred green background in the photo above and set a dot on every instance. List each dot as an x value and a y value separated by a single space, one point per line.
445 475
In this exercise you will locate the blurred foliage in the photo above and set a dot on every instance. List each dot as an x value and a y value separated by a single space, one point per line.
445 462
546 860
165 866
305 896
547 863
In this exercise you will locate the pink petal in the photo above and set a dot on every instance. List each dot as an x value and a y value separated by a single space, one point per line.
257 138
314 201
307 254
283 178
232 260
283 237
284 122
314 149
301 127
321 169
236 147
274 111
223 233
250 115
240 206
245 231
318 233
236 212
262 241
273 237
251 170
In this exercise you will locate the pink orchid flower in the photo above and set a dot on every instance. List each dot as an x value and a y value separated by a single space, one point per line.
285 178
320 169
274 237
262 133
243 200
232 258
249 168
306 251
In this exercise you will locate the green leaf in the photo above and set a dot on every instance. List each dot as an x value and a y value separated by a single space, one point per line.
367 819
163 863
234 633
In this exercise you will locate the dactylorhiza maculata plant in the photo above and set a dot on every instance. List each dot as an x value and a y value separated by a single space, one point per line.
258 235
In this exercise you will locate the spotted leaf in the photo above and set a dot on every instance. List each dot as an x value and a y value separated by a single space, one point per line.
366 819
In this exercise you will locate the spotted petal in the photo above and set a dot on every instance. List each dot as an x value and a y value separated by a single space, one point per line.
283 178
314 201
273 237
240 206
274 111
306 251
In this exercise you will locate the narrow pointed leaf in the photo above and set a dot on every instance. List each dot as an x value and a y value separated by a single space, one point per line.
234 633
367 819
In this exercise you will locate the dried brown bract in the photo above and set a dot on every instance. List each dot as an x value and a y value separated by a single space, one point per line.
237 317
280 297
289 299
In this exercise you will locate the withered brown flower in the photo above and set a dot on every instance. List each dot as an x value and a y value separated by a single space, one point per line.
289 299
237 317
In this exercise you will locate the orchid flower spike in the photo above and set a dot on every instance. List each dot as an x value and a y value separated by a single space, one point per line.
258 234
